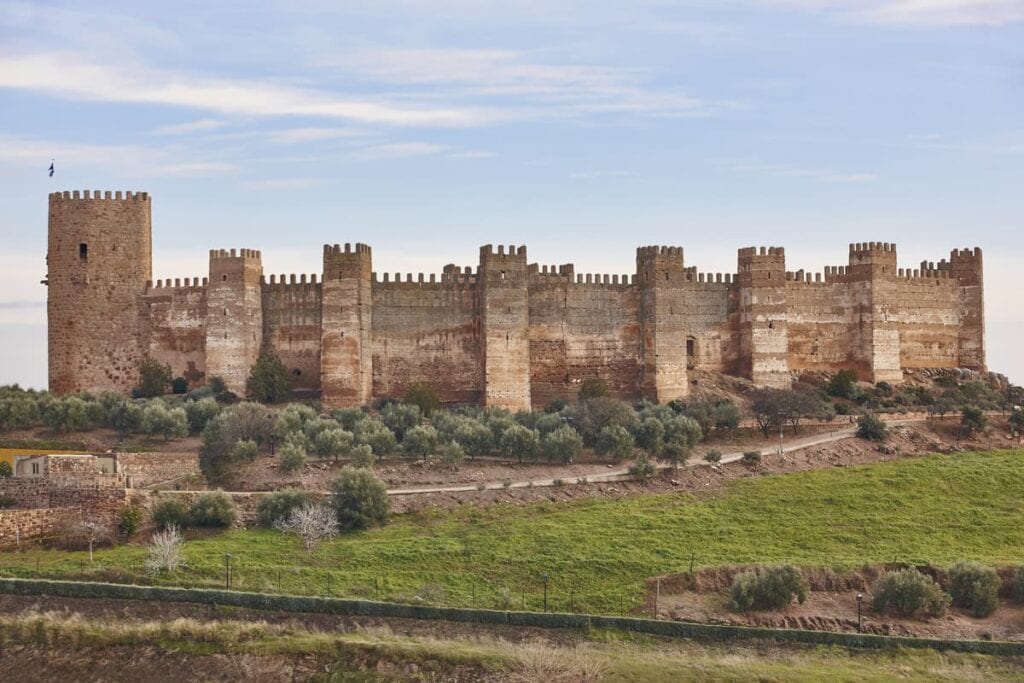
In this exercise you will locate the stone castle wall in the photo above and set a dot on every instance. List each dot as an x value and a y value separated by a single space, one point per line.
505 332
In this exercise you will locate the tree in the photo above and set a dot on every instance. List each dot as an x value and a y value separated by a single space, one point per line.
332 443
279 505
245 450
420 441
768 588
199 413
562 445
359 499
974 587
594 414
843 384
125 417
972 420
377 436
592 387
293 456
871 427
799 404
18 412
475 438
616 441
362 456
129 520
268 380
170 512
423 396
641 468
519 442
650 435
165 551
1017 420
5 469
179 385
310 522
154 378
713 456
908 591
213 509
400 418
159 420
767 405
453 455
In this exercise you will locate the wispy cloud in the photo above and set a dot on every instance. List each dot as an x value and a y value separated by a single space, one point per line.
820 174
305 135
199 126
398 150
472 154
915 12
75 76
590 175
284 183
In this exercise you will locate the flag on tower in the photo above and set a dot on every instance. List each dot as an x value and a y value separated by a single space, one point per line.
51 168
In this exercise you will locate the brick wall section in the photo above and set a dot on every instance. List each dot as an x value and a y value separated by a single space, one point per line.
153 468
508 333
38 523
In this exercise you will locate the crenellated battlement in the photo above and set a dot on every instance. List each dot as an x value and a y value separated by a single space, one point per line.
246 254
710 278
488 250
748 252
99 195
336 249
864 248
291 280
186 284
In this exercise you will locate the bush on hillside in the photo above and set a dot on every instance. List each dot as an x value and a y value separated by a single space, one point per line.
453 455
650 435
594 414
279 504
519 442
333 443
713 456
400 418
376 435
420 441
974 587
423 396
159 420
18 412
129 520
615 441
154 378
359 499
592 387
843 384
199 413
908 591
293 456
268 381
362 456
562 445
751 458
972 420
170 512
642 468
213 509
767 588
871 427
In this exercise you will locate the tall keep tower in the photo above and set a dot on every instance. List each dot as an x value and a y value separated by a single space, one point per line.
346 344
661 277
234 316
874 286
764 329
504 325
99 257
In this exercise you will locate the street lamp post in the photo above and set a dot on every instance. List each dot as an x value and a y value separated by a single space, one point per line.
860 600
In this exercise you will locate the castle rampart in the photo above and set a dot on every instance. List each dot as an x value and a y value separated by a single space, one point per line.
505 333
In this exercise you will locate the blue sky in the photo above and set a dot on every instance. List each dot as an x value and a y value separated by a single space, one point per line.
581 129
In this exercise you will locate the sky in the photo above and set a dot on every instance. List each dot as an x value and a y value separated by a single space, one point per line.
581 129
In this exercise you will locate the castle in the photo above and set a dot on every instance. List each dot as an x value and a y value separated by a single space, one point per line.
507 333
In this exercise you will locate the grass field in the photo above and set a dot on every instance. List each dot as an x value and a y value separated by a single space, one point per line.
283 652
597 552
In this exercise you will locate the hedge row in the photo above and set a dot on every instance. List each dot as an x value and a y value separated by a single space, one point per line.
370 608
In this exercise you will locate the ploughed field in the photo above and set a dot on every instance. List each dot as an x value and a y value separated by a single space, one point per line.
596 553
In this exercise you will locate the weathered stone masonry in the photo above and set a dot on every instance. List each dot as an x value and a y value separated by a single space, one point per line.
505 333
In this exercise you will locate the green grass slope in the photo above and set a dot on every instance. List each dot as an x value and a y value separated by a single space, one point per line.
597 552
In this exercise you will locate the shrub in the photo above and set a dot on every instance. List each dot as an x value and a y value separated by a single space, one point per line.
519 442
400 418
332 443
362 456
124 416
650 435
768 588
871 427
359 499
268 380
727 416
562 445
843 384
594 414
129 520
170 511
279 505
453 455
420 441
310 522
974 587
349 417
199 413
556 406
159 420
18 412
423 396
377 436
592 387
213 509
1017 420
68 414
474 437
165 551
1017 586
752 457
972 420
908 591
615 441
5 469
713 456
154 378
293 456
642 468
179 385
246 449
